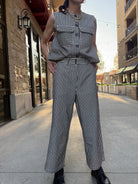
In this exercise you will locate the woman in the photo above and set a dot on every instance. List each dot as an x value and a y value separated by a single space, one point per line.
73 61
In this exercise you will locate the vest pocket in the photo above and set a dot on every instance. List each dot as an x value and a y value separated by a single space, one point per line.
64 34
87 33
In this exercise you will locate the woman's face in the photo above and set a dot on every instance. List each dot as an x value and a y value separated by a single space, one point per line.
77 1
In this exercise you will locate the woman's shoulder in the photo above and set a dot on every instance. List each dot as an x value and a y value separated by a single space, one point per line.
89 15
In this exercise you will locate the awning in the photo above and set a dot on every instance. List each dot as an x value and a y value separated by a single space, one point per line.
120 70
130 68
40 11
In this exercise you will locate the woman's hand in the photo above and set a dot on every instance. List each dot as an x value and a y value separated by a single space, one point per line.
94 43
96 66
51 66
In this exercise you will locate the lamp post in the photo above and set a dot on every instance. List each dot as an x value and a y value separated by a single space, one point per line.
24 20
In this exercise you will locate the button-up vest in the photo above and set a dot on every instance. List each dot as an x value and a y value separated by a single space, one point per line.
73 39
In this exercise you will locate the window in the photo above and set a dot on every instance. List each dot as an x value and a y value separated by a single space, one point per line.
124 78
28 59
44 79
4 88
36 69
134 77
1 10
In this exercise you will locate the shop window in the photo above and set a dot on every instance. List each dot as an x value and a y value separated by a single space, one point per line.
28 59
134 77
4 87
44 79
36 69
1 10
124 78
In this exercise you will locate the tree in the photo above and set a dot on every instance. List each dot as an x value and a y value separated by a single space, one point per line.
101 63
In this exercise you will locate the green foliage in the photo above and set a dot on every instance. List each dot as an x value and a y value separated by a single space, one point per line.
120 84
101 64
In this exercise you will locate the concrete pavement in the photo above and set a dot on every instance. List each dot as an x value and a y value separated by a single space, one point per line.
24 142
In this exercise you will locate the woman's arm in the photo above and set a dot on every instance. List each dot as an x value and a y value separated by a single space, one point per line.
94 41
49 29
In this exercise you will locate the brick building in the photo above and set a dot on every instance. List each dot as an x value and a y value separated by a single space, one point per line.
25 81
127 35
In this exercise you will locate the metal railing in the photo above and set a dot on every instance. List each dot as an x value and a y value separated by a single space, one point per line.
128 4
132 53
131 27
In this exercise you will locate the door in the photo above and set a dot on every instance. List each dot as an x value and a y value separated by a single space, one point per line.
4 83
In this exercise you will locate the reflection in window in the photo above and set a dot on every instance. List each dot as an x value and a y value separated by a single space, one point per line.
124 78
44 83
2 61
37 80
134 77
4 90
34 44
1 10
36 68
28 61
1 40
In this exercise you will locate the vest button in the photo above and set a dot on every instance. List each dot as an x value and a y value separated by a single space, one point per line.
77 24
77 46
76 34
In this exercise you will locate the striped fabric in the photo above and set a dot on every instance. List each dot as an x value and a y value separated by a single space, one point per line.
73 39
74 82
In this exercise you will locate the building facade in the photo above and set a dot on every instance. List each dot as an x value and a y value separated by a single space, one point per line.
25 81
127 38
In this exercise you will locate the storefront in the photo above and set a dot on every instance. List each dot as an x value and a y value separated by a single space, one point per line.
25 81
120 75
131 73
37 67
128 74
4 82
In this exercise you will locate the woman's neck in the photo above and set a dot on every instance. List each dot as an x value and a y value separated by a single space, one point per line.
74 8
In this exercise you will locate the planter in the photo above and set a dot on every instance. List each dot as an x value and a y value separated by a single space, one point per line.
122 90
132 91
106 89
113 90
100 88
127 90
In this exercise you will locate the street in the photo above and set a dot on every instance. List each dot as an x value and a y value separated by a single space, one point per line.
24 142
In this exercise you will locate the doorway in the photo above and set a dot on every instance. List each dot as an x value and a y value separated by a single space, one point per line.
4 82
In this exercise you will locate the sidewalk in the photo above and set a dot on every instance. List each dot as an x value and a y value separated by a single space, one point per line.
24 142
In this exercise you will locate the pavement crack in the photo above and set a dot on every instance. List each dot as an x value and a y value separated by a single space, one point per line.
69 172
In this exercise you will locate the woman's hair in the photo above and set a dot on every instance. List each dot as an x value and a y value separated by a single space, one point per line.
64 7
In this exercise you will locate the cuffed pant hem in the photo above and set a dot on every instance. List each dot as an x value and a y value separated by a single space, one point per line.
48 170
95 167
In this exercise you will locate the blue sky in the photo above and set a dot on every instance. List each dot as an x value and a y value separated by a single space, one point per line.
106 39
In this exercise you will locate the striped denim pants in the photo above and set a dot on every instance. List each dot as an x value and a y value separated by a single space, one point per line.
74 81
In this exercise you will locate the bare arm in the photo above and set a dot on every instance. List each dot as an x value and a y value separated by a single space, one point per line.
49 29
94 41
